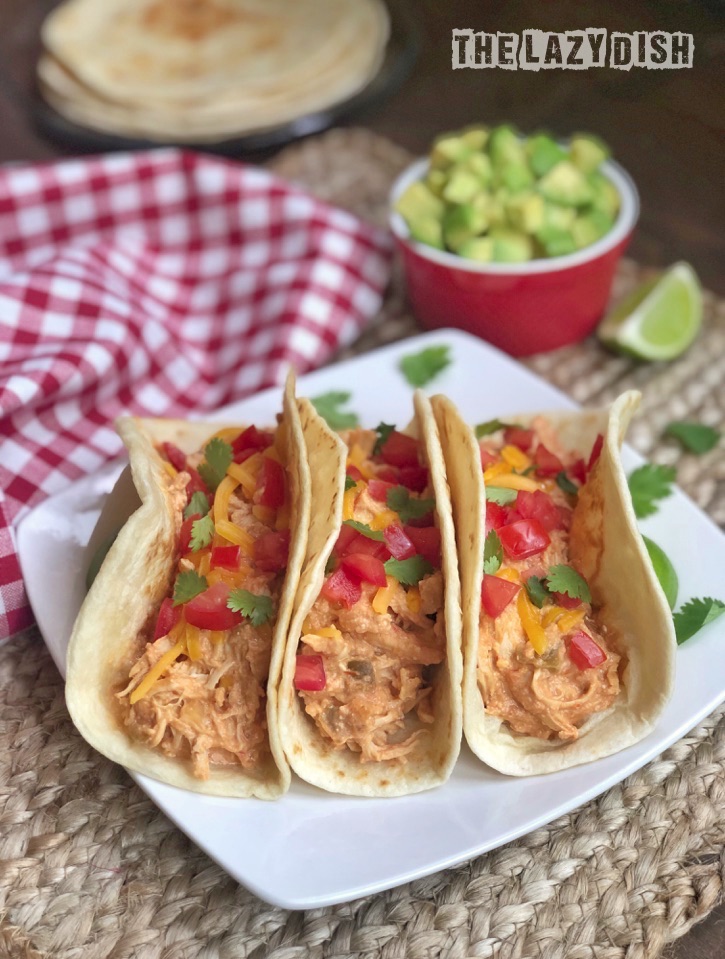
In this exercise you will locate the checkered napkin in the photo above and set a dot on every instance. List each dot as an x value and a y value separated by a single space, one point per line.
157 283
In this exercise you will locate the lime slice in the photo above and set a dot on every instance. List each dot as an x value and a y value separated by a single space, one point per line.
664 570
659 320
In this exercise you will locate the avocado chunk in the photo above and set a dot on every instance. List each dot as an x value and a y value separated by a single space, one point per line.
479 248
556 242
448 150
428 230
587 152
505 147
605 196
436 181
462 186
543 153
558 216
475 137
590 227
514 177
417 201
565 184
510 246
480 166
525 212
460 224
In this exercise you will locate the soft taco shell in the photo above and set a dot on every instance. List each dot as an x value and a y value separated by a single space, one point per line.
311 757
610 555
136 576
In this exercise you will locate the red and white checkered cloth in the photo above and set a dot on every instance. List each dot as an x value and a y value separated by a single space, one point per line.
155 283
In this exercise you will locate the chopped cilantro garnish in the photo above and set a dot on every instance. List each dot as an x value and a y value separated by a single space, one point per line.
218 456
198 505
331 564
564 483
650 483
565 579
694 615
536 588
410 571
202 533
407 506
420 368
491 426
328 406
349 483
492 553
383 430
188 585
695 437
497 494
257 609
365 529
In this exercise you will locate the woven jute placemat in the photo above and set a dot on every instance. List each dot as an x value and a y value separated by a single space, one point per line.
90 869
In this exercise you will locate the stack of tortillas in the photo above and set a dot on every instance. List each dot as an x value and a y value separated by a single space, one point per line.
206 70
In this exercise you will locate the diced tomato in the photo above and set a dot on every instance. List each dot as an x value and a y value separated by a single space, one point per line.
209 609
538 505
526 537
353 472
271 550
250 439
400 450
487 459
345 538
583 651
174 456
185 534
340 588
596 451
244 455
378 489
168 618
310 673
270 484
350 540
496 516
496 594
414 477
565 517
389 474
365 567
196 484
547 463
578 471
225 556
423 522
517 436
568 602
398 542
538 571
427 542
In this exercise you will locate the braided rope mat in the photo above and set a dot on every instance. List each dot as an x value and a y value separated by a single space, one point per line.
90 869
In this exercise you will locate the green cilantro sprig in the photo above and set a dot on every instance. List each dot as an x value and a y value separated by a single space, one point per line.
363 528
257 609
647 485
328 405
188 585
694 437
407 506
491 426
218 456
500 495
492 553
349 483
695 614
383 430
565 579
198 505
565 484
420 368
538 593
202 533
409 571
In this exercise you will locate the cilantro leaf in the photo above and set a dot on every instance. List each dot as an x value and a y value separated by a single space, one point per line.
349 483
497 494
202 533
407 506
257 609
565 579
491 426
492 553
410 571
536 588
218 455
694 615
420 368
331 564
383 430
650 483
198 504
188 585
564 483
328 406
365 529
695 437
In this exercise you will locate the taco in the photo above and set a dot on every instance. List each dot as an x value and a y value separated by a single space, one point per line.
175 656
568 638
370 693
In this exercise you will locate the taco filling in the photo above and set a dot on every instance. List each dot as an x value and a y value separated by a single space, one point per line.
198 671
546 661
374 635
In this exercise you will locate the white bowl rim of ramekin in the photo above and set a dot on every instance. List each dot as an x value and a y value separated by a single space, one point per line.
623 225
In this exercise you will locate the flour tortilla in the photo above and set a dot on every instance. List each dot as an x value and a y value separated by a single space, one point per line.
611 556
136 575
311 756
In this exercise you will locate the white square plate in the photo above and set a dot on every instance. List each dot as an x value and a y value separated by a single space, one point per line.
313 849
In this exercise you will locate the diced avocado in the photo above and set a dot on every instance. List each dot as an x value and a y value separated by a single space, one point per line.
605 196
435 181
505 146
514 177
543 153
525 211
479 248
566 184
558 216
476 137
480 166
496 208
460 224
510 246
428 230
462 186
447 150
556 242
590 227
418 201
587 152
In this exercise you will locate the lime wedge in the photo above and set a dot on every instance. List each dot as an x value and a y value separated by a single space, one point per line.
659 320
664 570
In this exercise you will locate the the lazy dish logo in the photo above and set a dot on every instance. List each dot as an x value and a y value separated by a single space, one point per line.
573 50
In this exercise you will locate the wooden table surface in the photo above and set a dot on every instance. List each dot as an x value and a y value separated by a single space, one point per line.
665 127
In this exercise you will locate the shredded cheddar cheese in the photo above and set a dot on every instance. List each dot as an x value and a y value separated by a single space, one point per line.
245 473
228 434
493 472
221 499
156 672
234 534
383 519
413 599
384 594
329 632
359 458
513 481
173 473
515 457
193 642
